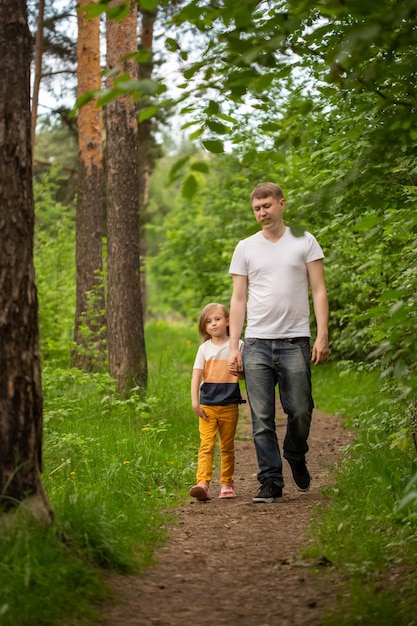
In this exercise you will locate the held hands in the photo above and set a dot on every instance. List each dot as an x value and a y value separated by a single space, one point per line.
320 352
235 363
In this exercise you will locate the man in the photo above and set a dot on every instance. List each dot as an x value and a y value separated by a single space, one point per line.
272 271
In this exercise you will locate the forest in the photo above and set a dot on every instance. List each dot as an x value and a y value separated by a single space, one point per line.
132 134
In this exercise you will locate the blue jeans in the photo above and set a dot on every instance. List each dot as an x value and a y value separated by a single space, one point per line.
286 362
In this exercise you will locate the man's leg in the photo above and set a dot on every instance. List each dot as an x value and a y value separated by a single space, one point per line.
294 379
260 380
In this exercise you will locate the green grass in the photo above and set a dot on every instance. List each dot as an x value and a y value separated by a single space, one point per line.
44 579
111 466
114 466
345 389
365 531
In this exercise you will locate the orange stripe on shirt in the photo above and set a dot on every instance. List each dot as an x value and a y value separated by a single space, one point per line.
217 372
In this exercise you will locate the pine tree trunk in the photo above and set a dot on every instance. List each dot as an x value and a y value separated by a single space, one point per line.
90 322
126 342
145 127
38 70
145 139
20 373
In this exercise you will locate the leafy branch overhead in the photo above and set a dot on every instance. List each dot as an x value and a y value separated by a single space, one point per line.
247 51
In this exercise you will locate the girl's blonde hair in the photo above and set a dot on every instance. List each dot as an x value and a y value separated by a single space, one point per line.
205 314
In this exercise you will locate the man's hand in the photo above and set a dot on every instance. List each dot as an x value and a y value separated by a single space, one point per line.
235 362
320 352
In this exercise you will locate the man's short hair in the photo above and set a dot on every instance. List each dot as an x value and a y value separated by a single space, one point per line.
265 190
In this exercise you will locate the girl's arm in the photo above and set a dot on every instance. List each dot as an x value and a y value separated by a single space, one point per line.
196 379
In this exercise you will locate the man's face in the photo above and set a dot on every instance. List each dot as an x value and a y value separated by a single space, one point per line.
268 210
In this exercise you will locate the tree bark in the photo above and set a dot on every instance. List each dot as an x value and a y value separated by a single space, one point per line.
20 372
90 321
38 71
145 127
126 342
145 140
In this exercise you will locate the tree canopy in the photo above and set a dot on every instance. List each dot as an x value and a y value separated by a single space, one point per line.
320 97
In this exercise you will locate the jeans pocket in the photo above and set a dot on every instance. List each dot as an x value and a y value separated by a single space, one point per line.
304 342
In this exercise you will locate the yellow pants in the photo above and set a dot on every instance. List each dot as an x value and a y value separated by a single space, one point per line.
222 419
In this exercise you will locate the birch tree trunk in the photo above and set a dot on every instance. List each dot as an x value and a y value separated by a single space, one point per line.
20 372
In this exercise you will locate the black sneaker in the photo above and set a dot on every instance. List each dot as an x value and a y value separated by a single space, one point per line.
300 475
269 492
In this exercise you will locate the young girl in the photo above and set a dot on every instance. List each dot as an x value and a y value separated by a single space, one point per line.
215 398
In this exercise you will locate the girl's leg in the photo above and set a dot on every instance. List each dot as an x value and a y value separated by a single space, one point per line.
208 430
227 423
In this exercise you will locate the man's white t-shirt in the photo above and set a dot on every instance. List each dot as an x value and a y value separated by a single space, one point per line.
278 303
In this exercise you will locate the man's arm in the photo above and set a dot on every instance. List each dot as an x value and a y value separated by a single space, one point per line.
315 271
236 321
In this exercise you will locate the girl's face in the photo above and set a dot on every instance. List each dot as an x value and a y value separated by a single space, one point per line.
217 323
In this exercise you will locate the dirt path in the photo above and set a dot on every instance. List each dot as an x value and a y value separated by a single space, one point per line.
234 563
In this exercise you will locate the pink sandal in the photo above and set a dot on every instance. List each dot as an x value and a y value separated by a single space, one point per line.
227 491
201 492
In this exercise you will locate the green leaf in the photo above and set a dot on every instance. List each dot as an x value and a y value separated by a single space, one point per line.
196 134
186 110
189 73
367 222
146 86
251 55
119 12
227 118
249 157
218 127
392 294
200 166
188 124
269 127
243 17
84 98
147 113
107 95
149 5
171 44
142 56
189 186
306 106
178 165
190 12
354 133
214 145
297 229
92 10
396 307
213 108
264 82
